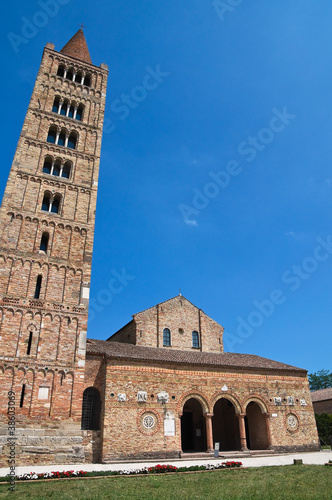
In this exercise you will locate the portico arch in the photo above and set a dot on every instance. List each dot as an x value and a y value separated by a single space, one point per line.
193 432
257 425
225 424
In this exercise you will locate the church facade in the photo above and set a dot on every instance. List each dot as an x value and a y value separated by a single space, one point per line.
159 387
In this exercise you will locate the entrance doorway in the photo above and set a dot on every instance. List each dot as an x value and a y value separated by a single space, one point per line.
193 435
256 428
225 426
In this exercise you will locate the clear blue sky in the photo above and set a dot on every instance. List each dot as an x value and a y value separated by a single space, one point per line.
244 97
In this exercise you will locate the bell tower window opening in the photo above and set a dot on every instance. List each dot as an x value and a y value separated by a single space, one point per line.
56 168
44 242
62 137
29 344
87 80
55 204
61 70
22 396
46 202
56 105
38 286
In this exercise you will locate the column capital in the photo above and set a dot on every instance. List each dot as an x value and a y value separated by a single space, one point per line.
208 415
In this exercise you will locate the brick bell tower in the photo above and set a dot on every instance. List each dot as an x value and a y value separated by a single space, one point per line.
47 221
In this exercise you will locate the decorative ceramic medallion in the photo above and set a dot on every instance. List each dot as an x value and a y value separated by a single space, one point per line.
149 421
292 422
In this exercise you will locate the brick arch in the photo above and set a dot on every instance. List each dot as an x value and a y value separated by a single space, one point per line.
230 397
259 401
192 394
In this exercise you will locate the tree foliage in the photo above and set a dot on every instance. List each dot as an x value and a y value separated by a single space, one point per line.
324 426
320 380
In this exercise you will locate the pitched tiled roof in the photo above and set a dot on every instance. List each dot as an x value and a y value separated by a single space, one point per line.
321 394
122 351
77 47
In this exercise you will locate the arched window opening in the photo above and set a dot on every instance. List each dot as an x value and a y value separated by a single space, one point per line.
22 396
78 77
166 337
46 202
47 167
91 410
79 112
72 141
61 70
44 242
38 286
56 169
29 344
71 112
195 338
69 75
66 170
64 107
51 135
56 204
87 80
56 105
62 138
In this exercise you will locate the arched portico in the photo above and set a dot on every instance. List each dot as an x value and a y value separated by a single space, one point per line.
257 426
193 427
225 425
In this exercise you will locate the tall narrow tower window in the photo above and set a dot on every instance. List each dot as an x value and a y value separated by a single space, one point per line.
56 169
22 396
78 77
69 75
44 242
166 337
87 80
63 111
47 167
46 202
38 286
62 139
66 170
56 204
72 141
29 344
61 70
79 112
56 105
51 135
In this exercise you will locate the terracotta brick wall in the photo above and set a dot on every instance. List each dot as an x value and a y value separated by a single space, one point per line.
125 437
181 318
43 340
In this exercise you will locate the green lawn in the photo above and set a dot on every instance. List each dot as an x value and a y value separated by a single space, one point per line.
296 482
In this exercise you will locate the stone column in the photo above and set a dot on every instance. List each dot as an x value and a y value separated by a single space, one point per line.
242 429
209 433
268 430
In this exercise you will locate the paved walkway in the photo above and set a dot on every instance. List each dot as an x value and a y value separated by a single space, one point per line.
314 458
